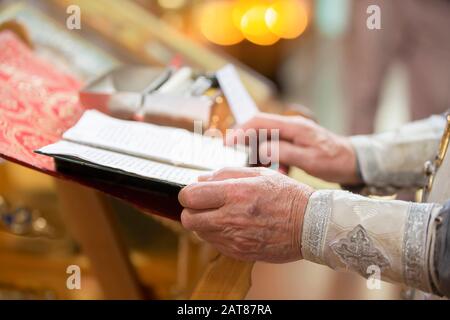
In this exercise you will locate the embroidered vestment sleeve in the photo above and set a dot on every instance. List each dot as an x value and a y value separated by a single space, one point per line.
347 231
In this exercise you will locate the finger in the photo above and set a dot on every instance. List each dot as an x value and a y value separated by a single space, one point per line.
201 221
286 154
289 127
202 195
234 173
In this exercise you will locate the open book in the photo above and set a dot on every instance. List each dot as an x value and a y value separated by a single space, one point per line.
138 154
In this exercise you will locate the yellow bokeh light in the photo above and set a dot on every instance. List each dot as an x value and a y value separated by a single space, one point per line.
242 6
287 18
254 27
216 23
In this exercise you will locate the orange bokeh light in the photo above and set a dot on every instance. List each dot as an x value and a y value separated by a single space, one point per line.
287 18
216 23
242 6
254 27
263 22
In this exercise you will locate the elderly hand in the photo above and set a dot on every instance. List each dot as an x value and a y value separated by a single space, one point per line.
306 145
248 213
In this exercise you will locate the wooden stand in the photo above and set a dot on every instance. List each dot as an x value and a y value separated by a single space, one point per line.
224 278
93 225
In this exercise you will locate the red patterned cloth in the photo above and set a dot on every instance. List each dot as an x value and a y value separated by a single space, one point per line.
37 104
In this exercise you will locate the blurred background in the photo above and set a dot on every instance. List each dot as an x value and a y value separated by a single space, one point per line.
319 54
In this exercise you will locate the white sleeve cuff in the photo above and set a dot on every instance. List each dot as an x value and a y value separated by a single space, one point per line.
347 231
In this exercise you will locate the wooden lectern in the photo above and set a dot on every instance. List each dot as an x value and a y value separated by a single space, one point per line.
37 104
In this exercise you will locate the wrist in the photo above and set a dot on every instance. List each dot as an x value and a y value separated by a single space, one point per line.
351 174
298 210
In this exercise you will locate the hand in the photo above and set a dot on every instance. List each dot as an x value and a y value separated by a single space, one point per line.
247 213
306 145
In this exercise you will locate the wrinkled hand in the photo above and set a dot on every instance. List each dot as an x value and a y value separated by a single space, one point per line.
247 213
306 145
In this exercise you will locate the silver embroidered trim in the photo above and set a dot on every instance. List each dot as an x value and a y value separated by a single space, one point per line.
315 224
358 252
414 246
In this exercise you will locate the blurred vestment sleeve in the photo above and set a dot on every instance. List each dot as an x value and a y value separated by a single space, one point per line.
395 159
390 238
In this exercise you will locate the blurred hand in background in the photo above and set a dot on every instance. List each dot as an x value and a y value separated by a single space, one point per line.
306 145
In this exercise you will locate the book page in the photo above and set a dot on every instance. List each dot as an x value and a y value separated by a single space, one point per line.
141 167
241 103
165 144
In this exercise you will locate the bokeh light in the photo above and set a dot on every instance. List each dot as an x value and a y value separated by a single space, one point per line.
287 18
263 22
254 27
242 6
216 23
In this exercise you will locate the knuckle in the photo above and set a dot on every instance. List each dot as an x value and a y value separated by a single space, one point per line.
215 222
189 200
238 194
185 197
186 220
229 191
